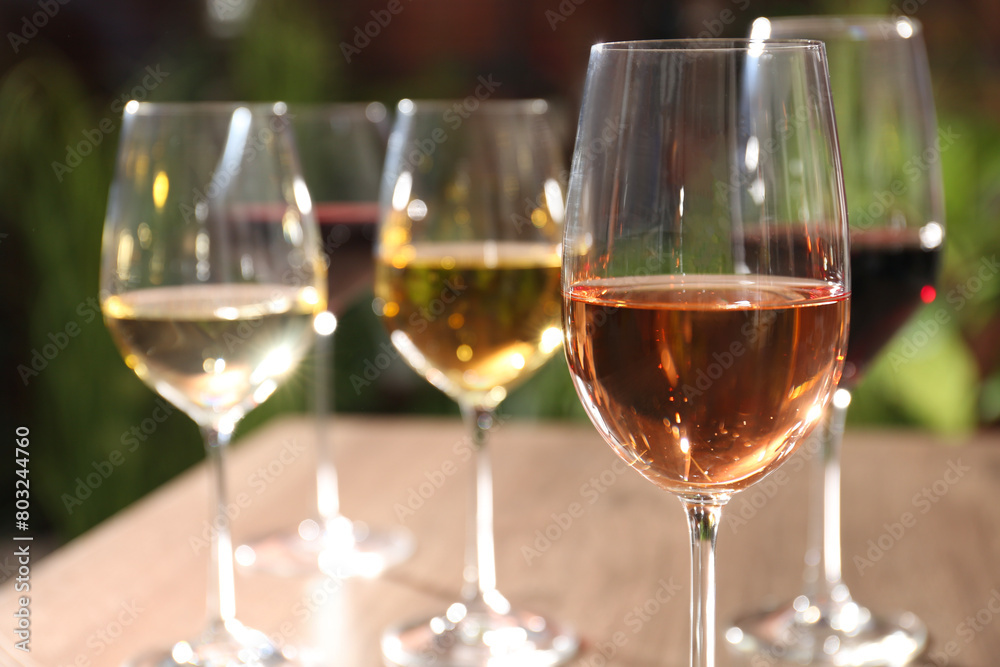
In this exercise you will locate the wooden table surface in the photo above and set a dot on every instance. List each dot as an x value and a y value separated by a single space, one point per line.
617 572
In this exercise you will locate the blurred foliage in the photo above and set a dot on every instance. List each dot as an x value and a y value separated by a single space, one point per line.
83 402
284 55
941 371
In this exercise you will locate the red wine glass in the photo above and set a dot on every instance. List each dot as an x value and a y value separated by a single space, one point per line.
342 150
886 124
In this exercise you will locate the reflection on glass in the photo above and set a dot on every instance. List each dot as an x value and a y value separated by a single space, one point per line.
886 122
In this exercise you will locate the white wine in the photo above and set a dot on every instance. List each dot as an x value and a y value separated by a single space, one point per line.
473 318
213 348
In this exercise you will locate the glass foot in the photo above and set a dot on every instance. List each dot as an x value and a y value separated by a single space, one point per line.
229 645
843 633
489 634
344 549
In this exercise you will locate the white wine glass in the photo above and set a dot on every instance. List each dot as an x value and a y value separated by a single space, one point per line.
886 123
467 283
211 277
342 151
705 269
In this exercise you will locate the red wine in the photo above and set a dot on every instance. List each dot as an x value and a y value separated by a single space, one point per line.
890 275
703 383
347 231
890 272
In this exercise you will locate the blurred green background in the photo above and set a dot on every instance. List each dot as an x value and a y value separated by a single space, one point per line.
67 69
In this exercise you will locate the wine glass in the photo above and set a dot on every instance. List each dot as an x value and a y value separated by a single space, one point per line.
886 122
211 277
342 150
705 268
467 283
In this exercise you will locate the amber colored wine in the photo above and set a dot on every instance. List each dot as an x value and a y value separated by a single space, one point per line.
703 383
211 348
473 318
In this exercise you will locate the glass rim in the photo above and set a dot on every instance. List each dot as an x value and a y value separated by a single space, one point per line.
531 106
711 44
198 108
338 109
849 25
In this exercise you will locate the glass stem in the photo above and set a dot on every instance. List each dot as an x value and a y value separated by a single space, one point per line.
823 567
327 488
221 578
703 519
480 559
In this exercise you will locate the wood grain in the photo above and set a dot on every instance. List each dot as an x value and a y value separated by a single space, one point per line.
580 538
